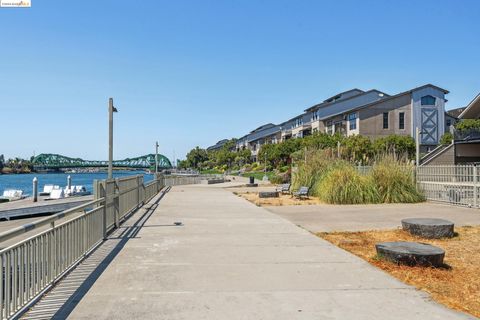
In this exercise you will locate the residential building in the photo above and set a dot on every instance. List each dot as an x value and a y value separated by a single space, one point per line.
371 113
268 133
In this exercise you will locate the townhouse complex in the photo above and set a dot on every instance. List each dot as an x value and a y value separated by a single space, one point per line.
371 113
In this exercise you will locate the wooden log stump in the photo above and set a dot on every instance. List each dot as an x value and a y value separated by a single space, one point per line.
411 253
268 194
429 228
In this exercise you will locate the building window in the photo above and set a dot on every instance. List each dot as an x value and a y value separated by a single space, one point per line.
449 122
329 128
352 121
428 101
385 120
401 120
315 116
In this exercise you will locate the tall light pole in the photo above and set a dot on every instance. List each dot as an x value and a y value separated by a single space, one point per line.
156 157
111 110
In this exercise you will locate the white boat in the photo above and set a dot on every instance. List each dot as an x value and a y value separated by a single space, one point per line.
13 194
57 194
75 191
47 189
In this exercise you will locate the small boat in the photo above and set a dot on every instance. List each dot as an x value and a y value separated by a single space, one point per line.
13 195
57 194
47 189
76 191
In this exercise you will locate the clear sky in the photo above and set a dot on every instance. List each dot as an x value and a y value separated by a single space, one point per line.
190 73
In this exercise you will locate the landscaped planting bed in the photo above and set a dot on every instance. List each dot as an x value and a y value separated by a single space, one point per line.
456 285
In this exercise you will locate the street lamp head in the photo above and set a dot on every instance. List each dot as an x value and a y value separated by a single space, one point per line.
114 109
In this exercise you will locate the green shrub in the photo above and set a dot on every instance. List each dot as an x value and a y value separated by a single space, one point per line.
446 138
467 124
277 179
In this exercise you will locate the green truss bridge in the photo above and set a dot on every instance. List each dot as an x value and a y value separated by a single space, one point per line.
47 161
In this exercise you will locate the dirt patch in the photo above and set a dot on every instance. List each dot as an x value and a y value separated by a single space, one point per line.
282 200
457 286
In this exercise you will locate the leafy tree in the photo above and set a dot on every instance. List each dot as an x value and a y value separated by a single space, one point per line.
196 156
358 148
322 140
2 161
399 145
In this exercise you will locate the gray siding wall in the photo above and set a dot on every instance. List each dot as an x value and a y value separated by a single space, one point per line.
371 118
445 158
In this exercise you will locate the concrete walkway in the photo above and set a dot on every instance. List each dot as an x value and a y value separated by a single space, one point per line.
233 260
328 218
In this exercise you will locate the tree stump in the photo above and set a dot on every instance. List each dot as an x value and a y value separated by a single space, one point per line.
429 228
411 253
268 194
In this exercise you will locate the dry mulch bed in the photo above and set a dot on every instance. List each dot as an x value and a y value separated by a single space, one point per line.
282 200
456 286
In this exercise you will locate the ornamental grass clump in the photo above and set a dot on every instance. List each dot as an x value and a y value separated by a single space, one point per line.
395 181
337 181
344 185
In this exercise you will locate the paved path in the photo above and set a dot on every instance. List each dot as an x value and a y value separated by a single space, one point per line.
326 217
233 260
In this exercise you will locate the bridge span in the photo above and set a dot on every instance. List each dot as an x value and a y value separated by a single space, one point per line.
47 161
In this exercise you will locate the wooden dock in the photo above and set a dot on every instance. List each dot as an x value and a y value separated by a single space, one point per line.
27 207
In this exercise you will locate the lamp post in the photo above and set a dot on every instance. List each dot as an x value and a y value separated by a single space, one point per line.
156 157
111 110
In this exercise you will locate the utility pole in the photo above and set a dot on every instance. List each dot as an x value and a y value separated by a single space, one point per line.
156 157
111 110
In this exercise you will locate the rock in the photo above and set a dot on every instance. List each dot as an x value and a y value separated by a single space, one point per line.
411 253
429 228
268 194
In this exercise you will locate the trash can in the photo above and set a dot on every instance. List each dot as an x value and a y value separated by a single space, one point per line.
252 180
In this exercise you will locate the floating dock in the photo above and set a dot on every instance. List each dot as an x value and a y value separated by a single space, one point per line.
27 207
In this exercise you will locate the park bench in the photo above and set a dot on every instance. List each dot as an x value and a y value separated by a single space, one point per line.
301 193
284 188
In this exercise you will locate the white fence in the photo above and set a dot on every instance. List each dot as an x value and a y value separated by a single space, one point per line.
457 185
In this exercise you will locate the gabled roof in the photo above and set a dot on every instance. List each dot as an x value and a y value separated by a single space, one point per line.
346 95
455 112
472 111
263 127
350 104
218 145
386 99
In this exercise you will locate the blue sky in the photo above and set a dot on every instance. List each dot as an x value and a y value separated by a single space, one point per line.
190 73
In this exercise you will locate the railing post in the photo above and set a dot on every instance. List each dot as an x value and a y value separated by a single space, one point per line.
99 190
116 202
53 265
138 191
475 186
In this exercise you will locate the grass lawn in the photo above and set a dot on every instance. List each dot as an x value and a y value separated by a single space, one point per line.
457 286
